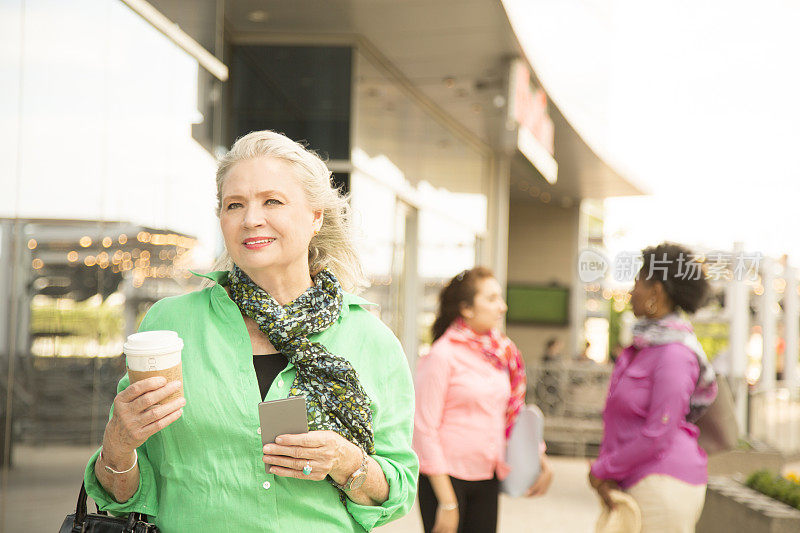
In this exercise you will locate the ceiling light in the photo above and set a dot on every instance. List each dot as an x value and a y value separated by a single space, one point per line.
258 15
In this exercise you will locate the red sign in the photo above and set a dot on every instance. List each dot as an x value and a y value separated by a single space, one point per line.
530 107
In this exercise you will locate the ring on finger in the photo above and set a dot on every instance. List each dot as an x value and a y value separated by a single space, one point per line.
307 469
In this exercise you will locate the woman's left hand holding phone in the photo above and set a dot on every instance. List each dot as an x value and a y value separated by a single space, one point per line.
325 451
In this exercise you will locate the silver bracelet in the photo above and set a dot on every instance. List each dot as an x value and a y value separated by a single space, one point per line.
135 461
449 507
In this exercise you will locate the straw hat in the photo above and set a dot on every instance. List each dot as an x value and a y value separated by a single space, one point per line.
625 518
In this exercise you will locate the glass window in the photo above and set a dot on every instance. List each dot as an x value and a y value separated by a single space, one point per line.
402 155
107 202
301 91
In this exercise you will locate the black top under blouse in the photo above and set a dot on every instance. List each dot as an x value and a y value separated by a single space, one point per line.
267 369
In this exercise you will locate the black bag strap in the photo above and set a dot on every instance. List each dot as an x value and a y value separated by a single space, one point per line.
80 509
80 512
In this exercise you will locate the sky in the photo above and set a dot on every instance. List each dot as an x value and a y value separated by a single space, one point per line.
695 101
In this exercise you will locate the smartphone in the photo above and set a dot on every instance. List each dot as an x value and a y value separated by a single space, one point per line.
282 417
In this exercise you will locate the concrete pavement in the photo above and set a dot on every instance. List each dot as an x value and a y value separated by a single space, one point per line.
569 506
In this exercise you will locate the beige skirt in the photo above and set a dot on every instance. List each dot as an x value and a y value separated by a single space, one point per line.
668 505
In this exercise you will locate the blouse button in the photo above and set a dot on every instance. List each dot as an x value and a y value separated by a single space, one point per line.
266 485
258 431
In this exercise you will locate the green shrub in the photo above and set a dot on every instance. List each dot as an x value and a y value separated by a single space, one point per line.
775 486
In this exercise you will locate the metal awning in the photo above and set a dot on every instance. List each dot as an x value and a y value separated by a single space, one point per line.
453 54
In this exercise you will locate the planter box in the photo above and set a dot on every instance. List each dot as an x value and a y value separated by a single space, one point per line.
733 507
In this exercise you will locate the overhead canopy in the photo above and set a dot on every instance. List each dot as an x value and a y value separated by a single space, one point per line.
453 54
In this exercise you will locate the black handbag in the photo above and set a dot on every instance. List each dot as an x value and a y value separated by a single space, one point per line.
82 522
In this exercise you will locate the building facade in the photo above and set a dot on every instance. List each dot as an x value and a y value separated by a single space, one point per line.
427 113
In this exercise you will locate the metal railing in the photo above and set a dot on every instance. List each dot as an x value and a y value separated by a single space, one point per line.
774 418
571 395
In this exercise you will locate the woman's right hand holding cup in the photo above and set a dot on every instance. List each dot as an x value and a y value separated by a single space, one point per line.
137 416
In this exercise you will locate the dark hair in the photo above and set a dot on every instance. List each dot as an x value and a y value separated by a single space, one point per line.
551 342
459 291
679 271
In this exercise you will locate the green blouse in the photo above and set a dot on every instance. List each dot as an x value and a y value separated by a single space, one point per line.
204 472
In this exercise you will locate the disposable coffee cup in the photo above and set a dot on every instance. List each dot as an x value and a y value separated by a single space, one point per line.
155 353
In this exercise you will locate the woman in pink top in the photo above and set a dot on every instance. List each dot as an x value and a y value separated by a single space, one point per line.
469 390
660 385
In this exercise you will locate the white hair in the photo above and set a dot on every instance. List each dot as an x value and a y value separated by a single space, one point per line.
333 246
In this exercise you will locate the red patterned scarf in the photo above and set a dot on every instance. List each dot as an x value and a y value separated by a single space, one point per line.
503 354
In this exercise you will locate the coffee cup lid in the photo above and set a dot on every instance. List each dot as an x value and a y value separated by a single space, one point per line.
152 343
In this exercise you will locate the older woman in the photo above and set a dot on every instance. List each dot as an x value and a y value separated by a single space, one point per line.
660 386
470 389
274 323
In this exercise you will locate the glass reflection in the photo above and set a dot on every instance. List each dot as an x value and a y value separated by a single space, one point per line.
107 202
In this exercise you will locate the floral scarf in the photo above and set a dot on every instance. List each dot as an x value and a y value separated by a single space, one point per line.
334 396
503 354
673 328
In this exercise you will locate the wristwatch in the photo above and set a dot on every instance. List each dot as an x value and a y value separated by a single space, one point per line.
357 478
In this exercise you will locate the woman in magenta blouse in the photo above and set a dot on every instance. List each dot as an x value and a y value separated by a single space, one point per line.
660 385
469 391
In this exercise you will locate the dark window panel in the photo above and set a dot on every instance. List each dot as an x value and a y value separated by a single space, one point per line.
301 91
